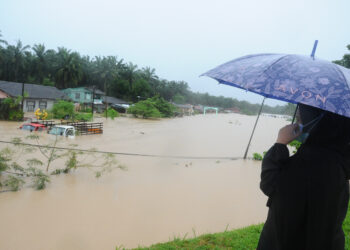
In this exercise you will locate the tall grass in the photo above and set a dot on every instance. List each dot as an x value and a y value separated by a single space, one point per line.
244 238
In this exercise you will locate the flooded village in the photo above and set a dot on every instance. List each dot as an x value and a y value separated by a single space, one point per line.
153 199
136 162
144 124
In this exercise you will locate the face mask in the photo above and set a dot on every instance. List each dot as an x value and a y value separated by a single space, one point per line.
303 137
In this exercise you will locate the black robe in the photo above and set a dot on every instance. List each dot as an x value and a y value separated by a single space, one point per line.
308 198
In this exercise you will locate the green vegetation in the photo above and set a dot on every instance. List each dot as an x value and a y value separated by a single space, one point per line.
85 109
165 108
154 107
345 61
17 167
294 144
257 157
62 109
144 109
64 68
244 238
15 115
13 175
84 117
111 113
10 109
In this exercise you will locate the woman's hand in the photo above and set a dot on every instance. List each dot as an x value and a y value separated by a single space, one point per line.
288 133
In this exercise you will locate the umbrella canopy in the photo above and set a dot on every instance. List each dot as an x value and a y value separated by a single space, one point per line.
290 78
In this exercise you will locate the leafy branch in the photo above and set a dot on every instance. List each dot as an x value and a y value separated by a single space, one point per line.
13 176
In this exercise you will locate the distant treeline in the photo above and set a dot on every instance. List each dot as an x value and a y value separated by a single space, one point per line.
345 61
64 68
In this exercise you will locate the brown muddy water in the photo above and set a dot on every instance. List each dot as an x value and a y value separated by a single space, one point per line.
155 199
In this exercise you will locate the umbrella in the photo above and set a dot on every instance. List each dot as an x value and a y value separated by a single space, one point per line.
291 78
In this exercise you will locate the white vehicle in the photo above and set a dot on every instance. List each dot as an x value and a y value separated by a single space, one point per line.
63 130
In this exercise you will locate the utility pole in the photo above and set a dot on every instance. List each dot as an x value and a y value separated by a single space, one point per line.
106 104
22 102
93 100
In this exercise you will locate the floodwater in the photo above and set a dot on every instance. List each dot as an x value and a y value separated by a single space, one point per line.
155 199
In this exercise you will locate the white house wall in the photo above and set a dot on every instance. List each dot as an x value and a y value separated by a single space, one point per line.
28 102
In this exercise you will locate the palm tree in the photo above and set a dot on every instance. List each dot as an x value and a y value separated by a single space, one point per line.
149 74
17 53
107 70
87 71
68 69
2 41
130 72
51 59
16 63
39 63
2 56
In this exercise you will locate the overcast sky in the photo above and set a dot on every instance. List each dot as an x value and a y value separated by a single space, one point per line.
184 38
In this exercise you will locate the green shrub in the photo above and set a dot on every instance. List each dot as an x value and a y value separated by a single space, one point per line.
165 108
153 107
10 109
61 109
145 109
83 117
13 183
50 115
111 113
257 157
15 115
48 82
86 110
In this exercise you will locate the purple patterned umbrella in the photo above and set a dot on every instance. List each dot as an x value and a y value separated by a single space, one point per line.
290 78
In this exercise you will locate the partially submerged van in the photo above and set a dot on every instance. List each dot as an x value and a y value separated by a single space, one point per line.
63 130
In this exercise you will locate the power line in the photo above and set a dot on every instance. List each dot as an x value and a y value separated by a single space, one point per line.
127 154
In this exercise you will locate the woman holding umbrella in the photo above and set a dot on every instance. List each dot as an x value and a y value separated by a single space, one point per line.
309 191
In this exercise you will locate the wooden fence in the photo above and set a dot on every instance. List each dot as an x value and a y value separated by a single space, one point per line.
47 123
86 128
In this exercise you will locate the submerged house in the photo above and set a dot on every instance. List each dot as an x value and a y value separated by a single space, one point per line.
36 96
116 103
83 96
232 110
199 108
114 100
184 109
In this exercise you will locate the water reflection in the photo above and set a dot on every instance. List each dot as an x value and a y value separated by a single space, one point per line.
156 199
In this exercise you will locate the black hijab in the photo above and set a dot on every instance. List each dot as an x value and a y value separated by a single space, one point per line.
331 130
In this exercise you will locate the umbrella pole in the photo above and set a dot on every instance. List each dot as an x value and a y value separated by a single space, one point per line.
251 136
295 113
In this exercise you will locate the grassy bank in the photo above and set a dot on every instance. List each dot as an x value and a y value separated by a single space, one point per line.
244 238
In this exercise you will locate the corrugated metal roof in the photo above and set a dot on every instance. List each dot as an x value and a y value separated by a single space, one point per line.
114 100
35 91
